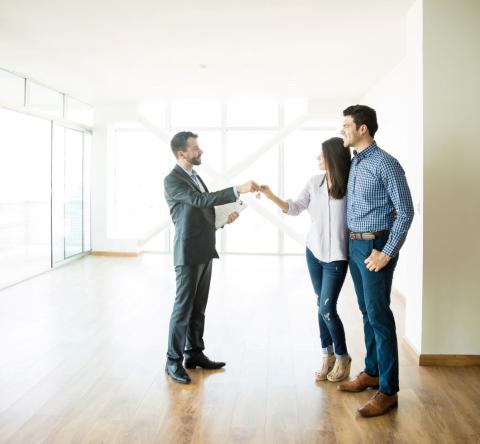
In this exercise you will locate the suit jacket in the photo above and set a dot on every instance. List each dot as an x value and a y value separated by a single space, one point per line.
193 215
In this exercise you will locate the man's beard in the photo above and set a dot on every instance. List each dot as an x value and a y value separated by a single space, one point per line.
195 161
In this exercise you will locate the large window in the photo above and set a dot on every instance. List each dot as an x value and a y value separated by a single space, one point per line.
253 233
44 179
70 192
28 95
300 163
73 192
87 159
141 161
24 196
238 140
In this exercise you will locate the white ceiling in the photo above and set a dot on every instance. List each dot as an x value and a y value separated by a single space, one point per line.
104 50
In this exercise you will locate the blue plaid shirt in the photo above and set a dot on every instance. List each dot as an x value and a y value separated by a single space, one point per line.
378 197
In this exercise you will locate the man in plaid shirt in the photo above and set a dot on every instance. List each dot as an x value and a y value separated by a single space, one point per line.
379 214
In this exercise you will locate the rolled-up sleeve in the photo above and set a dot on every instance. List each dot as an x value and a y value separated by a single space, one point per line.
398 190
301 203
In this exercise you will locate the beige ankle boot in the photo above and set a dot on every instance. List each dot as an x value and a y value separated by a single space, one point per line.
341 370
328 361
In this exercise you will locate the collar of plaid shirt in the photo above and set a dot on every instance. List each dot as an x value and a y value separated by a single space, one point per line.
365 153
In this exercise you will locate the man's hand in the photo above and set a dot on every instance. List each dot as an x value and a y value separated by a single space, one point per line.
248 187
377 260
232 217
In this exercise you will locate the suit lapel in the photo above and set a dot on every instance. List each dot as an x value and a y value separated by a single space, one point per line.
181 174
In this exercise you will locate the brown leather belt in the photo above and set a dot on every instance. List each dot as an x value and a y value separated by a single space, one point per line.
367 236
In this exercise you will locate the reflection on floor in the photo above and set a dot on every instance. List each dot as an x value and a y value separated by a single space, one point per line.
83 351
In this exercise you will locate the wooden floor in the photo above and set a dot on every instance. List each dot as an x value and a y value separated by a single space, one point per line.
83 351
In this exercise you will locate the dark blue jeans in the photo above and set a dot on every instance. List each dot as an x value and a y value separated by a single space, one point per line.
327 279
373 294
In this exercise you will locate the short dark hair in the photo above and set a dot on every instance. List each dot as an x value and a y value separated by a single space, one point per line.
179 141
363 115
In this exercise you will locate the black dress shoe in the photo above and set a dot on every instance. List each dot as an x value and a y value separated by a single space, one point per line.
200 360
176 371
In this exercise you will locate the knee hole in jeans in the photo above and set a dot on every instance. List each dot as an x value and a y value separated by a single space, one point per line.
328 314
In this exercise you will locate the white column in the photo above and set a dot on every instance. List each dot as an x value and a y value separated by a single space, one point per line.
451 73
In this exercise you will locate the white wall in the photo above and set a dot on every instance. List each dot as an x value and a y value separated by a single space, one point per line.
427 110
397 98
451 295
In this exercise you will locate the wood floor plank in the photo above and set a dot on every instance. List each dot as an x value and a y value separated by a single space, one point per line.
86 363
35 430
77 422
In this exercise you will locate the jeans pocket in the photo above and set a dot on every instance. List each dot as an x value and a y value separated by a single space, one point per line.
369 246
379 242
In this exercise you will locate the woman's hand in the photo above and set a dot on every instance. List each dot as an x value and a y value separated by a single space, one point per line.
282 204
265 189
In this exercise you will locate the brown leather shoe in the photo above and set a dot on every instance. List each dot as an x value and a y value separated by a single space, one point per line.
378 405
360 383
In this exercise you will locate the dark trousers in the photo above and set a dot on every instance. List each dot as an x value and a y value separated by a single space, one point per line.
373 294
327 279
187 322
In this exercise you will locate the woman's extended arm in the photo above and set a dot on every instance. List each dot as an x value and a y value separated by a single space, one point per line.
282 204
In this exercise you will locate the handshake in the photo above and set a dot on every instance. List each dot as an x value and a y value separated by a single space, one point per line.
253 187
249 187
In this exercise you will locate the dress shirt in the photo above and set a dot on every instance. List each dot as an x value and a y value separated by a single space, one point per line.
378 197
328 235
195 178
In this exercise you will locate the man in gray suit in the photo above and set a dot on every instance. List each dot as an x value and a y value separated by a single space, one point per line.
192 211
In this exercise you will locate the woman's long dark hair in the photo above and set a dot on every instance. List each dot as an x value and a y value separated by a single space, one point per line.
337 161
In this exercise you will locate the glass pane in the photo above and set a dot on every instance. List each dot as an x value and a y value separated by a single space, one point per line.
58 195
241 144
73 192
253 233
12 89
80 112
195 114
301 151
210 143
324 124
158 243
87 156
293 109
252 113
44 100
300 224
24 196
141 162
